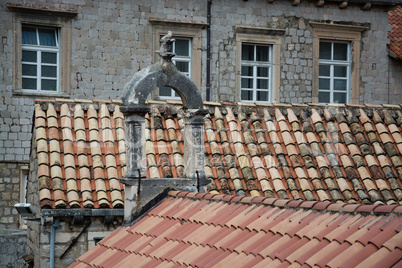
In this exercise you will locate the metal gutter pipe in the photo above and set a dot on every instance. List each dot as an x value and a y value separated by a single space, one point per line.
52 234
208 85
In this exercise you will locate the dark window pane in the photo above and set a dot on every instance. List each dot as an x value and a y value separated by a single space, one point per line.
182 47
340 51
246 83
325 50
29 56
247 52
29 69
247 70
262 95
28 83
323 83
246 95
339 97
262 71
49 85
182 66
165 92
47 37
339 84
262 83
262 53
49 57
340 71
323 97
324 70
49 71
29 36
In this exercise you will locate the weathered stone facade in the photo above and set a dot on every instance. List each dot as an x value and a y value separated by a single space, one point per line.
111 40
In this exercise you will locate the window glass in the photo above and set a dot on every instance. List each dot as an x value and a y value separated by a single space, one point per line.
28 83
262 53
29 56
48 57
246 83
247 95
323 97
182 47
324 70
324 83
47 37
325 50
247 71
29 36
49 85
340 51
262 83
247 52
339 84
340 71
182 66
29 70
340 98
262 95
262 71
49 71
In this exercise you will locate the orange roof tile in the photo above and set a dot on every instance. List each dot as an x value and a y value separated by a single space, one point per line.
286 236
395 36
314 153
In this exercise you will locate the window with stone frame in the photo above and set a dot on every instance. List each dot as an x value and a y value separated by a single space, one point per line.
187 47
40 59
42 50
258 63
334 72
256 72
336 62
182 47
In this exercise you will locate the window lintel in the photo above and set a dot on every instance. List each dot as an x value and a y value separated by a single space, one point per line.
258 30
44 10
178 23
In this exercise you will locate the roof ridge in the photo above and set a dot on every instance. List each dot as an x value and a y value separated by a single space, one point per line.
224 103
378 209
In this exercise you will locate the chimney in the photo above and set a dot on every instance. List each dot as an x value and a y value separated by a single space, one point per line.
140 190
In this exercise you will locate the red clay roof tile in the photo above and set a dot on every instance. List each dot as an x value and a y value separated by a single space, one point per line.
259 234
263 132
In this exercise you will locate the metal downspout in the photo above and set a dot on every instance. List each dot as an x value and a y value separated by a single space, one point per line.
52 234
208 85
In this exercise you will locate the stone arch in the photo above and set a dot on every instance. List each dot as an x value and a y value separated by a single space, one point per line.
161 74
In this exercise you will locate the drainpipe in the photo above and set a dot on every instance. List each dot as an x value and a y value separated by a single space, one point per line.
208 50
52 233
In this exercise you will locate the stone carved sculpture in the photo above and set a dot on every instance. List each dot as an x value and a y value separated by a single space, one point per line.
162 73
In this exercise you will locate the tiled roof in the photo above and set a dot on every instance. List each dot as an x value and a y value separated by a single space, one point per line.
205 230
395 19
303 152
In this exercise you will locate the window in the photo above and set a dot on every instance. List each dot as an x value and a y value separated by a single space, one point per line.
40 59
336 63
334 72
182 48
42 50
24 170
187 47
258 52
256 68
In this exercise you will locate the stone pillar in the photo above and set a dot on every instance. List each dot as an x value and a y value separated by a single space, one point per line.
194 146
136 160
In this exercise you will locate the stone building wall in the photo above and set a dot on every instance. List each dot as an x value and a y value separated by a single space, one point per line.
111 40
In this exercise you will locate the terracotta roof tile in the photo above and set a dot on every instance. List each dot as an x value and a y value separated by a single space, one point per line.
292 152
258 235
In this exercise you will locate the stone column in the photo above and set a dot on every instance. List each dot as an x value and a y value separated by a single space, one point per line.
136 160
194 147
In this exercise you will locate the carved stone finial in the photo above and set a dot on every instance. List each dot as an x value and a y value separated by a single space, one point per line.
166 49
